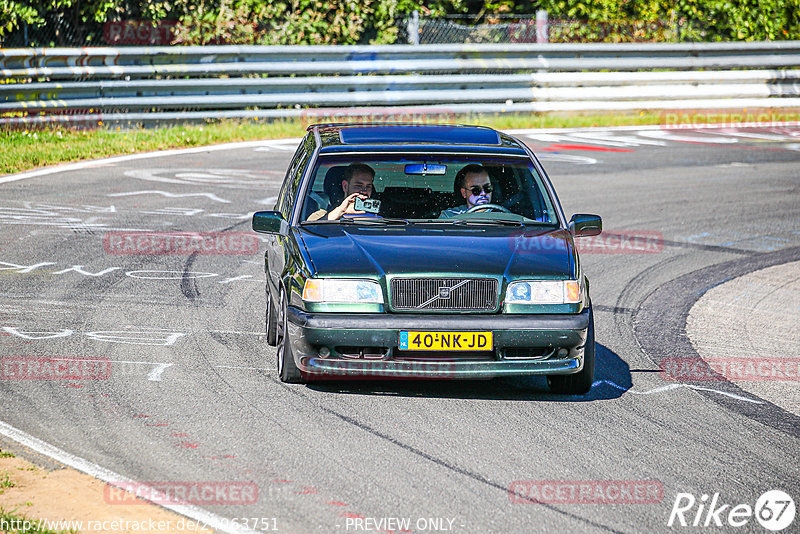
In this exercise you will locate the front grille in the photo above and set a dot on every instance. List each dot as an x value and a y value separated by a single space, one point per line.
463 294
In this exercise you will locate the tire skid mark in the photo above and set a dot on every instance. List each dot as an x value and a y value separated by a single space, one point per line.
189 283
441 463
202 352
660 330
623 323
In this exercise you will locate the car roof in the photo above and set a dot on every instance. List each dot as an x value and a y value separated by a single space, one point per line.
413 137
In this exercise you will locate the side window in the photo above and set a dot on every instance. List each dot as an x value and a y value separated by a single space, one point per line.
281 202
292 180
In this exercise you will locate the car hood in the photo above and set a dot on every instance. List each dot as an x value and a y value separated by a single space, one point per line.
513 252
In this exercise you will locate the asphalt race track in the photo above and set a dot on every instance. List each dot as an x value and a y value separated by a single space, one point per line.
193 394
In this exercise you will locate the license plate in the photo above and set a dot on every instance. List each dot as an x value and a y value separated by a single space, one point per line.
444 341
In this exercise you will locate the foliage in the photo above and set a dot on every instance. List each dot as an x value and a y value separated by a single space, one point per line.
79 22
300 21
13 14
678 20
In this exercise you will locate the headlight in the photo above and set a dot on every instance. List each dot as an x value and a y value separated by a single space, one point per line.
544 292
342 290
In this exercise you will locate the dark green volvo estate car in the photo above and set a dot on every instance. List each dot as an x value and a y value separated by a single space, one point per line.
425 251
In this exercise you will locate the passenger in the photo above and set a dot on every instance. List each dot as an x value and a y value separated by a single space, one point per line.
473 185
357 183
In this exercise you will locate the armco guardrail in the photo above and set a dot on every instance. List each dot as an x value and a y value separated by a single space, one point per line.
139 84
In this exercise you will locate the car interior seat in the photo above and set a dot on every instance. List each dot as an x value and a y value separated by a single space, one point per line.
331 194
332 185
409 203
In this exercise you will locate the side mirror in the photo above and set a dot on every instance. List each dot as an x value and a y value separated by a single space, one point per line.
270 222
584 224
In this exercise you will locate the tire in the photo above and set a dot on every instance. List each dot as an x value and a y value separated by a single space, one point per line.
581 382
287 369
272 322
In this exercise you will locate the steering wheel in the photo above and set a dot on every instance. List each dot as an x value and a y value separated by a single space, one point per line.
492 207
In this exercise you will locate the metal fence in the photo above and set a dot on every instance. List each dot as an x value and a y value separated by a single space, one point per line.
62 28
140 85
538 28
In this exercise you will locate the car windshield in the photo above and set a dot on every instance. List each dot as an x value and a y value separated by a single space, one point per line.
413 189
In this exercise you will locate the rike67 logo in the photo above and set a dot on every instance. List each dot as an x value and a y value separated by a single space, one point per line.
774 510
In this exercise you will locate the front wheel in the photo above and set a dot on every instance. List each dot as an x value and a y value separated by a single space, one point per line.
287 369
581 382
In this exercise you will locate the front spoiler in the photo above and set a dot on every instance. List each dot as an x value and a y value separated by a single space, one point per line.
309 331
439 369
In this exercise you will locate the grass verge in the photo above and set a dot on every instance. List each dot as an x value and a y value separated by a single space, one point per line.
29 149
5 481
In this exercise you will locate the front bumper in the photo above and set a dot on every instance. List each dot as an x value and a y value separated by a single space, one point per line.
310 332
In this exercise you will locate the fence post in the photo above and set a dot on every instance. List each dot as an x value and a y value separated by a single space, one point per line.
542 30
413 28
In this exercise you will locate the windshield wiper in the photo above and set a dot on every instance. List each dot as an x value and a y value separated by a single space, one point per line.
375 220
379 221
481 222
497 222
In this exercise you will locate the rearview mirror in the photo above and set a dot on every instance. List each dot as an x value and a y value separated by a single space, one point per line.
585 224
424 168
270 222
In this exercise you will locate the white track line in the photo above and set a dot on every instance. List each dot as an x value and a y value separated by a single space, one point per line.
670 128
277 142
209 519
155 374
210 196
675 386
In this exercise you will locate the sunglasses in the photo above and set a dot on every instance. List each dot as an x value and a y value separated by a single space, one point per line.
476 189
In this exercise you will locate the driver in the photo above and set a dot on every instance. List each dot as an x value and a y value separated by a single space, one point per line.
473 184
